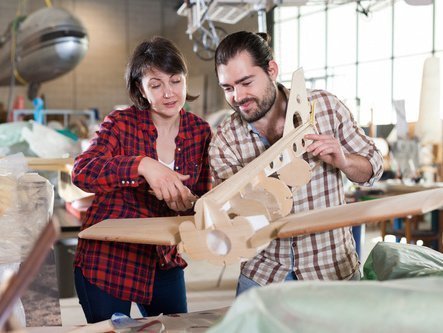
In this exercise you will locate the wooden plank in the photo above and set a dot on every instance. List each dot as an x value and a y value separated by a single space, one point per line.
47 161
157 230
50 164
376 210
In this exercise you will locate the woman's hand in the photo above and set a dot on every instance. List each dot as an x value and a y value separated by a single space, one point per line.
167 184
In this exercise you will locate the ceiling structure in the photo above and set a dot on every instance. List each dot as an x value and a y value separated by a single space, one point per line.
202 13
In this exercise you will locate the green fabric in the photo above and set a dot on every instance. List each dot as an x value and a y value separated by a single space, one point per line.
388 261
408 305
411 302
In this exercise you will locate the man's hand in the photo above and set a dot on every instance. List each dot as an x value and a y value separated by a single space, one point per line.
357 168
328 149
167 184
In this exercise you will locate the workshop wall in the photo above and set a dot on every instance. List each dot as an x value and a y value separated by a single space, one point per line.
115 27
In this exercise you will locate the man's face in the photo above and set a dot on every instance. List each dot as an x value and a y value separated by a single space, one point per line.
248 89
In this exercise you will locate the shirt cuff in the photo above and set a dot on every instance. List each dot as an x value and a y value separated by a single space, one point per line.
132 178
377 170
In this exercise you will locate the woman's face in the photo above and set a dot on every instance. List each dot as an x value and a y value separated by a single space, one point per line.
165 92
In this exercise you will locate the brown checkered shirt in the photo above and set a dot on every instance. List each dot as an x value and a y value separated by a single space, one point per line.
328 255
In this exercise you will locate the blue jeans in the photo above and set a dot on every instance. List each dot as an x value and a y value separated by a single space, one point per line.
169 296
245 283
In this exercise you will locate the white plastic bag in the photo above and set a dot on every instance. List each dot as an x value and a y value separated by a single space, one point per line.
48 143
6 271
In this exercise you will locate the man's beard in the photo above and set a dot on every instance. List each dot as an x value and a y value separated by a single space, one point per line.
263 106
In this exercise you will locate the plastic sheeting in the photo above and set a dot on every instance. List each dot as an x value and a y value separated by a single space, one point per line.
412 301
48 143
26 200
21 224
11 133
388 261
6 271
409 305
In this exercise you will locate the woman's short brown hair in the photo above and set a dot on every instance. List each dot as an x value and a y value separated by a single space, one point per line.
158 53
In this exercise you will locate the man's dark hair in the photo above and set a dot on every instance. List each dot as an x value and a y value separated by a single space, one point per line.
256 44
158 53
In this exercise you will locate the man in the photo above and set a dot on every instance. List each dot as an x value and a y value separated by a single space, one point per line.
247 73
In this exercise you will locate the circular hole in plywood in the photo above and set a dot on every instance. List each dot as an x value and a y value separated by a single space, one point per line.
296 120
218 243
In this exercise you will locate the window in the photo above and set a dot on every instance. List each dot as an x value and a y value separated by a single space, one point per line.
374 91
439 25
342 83
412 29
286 47
375 35
315 78
312 41
341 36
408 73
366 60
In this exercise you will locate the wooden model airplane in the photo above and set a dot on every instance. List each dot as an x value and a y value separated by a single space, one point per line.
239 217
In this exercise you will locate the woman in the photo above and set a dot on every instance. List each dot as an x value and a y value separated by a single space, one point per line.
149 160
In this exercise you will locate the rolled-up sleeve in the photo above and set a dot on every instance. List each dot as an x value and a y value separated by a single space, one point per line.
355 141
223 160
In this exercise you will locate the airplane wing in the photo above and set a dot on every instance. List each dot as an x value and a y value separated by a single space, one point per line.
321 220
156 230
361 212
166 230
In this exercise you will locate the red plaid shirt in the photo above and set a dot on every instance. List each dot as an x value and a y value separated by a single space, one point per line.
109 169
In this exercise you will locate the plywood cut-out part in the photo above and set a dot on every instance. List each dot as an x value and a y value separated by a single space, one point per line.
298 109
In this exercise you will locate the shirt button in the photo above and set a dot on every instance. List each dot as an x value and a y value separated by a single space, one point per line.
162 265
294 244
123 182
133 182
179 149
176 168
